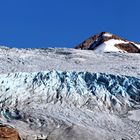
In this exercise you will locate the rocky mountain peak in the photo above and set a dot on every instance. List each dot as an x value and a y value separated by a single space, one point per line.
108 42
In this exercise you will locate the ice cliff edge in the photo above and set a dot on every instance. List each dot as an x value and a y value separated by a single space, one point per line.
80 88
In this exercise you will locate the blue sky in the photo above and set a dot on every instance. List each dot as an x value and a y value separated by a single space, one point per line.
65 23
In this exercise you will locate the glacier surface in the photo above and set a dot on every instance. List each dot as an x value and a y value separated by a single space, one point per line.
68 104
99 103
35 60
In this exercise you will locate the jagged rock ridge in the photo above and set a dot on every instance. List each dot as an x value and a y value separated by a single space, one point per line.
108 42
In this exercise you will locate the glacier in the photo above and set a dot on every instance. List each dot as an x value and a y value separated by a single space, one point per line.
64 59
70 104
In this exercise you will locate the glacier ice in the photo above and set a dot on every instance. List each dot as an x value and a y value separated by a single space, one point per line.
114 91
84 102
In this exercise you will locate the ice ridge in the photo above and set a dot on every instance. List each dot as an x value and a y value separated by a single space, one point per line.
112 92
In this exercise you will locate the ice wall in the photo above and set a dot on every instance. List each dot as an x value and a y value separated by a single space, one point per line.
113 92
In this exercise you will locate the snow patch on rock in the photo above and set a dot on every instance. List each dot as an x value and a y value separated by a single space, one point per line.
106 34
109 46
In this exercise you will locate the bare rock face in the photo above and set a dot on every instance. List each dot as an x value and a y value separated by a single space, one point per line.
108 42
8 133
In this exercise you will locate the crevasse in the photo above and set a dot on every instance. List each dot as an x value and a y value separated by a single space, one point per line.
78 88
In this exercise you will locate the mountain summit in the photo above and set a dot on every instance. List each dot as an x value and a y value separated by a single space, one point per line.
107 42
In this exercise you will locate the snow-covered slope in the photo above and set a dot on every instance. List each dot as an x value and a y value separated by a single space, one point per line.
65 94
109 46
70 104
32 60
107 42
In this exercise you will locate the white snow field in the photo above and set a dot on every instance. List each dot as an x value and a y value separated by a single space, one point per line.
64 59
69 94
109 46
